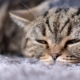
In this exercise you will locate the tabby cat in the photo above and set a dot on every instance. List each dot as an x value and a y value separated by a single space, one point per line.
53 36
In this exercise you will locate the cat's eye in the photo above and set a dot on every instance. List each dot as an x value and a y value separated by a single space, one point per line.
73 41
42 41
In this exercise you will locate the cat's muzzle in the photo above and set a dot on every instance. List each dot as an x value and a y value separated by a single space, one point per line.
55 55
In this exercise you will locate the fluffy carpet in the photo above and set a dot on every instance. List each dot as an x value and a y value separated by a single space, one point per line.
16 68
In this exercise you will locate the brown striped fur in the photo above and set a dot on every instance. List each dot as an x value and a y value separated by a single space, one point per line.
55 34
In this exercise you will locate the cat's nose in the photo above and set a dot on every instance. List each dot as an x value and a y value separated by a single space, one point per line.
55 55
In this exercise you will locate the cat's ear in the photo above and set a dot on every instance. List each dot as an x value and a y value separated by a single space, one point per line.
32 13
19 20
24 17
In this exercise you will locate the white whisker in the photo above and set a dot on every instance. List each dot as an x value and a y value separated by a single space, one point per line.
27 8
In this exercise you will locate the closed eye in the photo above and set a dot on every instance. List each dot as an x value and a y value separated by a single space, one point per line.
72 42
42 41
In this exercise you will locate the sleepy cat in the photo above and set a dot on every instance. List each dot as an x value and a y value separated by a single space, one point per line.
55 35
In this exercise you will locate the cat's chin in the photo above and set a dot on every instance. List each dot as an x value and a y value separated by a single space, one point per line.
48 61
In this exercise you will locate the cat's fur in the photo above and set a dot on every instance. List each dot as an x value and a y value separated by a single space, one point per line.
56 33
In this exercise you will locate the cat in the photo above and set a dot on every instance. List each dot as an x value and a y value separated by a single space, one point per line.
52 36
10 33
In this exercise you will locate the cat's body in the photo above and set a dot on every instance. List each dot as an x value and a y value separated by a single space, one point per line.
10 33
55 34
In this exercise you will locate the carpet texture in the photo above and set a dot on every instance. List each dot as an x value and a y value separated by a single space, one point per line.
16 68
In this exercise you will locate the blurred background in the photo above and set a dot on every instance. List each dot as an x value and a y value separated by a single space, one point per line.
15 4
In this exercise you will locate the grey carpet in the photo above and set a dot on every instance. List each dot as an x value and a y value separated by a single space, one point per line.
17 68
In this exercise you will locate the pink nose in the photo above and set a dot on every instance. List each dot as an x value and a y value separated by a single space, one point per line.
55 55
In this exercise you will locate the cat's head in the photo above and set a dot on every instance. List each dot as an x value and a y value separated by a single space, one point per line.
45 36
38 37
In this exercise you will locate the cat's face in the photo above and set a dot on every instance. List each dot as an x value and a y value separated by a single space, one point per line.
54 35
39 39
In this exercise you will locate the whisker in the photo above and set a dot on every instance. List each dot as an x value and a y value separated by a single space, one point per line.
27 8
